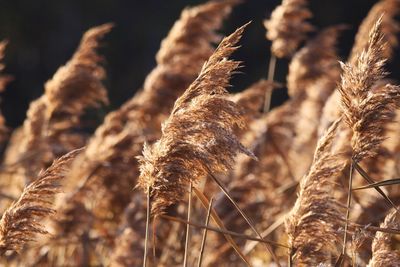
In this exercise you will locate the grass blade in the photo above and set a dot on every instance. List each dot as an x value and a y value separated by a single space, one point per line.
221 231
388 182
371 181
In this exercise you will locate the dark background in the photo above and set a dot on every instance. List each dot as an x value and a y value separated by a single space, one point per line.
43 35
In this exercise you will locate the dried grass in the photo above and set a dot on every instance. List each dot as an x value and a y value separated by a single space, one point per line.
288 27
367 111
21 222
314 223
189 128
198 136
382 252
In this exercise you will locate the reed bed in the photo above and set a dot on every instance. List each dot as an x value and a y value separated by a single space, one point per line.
187 173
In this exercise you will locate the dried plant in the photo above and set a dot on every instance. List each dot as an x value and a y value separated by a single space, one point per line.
121 136
183 127
253 184
21 222
196 139
4 78
288 27
382 251
367 111
95 192
389 27
49 127
315 220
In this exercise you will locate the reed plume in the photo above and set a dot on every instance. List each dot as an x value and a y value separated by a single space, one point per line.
288 27
52 120
253 184
315 220
367 111
183 127
390 28
198 136
383 253
77 86
21 222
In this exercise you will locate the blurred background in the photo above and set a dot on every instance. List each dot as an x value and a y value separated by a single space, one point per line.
44 34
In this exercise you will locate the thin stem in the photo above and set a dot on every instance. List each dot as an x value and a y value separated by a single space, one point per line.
249 247
246 218
147 228
221 231
188 226
349 195
203 240
290 258
205 203
375 228
271 73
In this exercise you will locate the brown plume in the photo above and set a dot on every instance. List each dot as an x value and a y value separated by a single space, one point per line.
382 252
198 136
314 222
367 111
288 27
390 27
51 120
4 78
20 223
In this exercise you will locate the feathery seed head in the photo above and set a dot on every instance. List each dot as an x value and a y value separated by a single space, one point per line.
198 136
288 27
